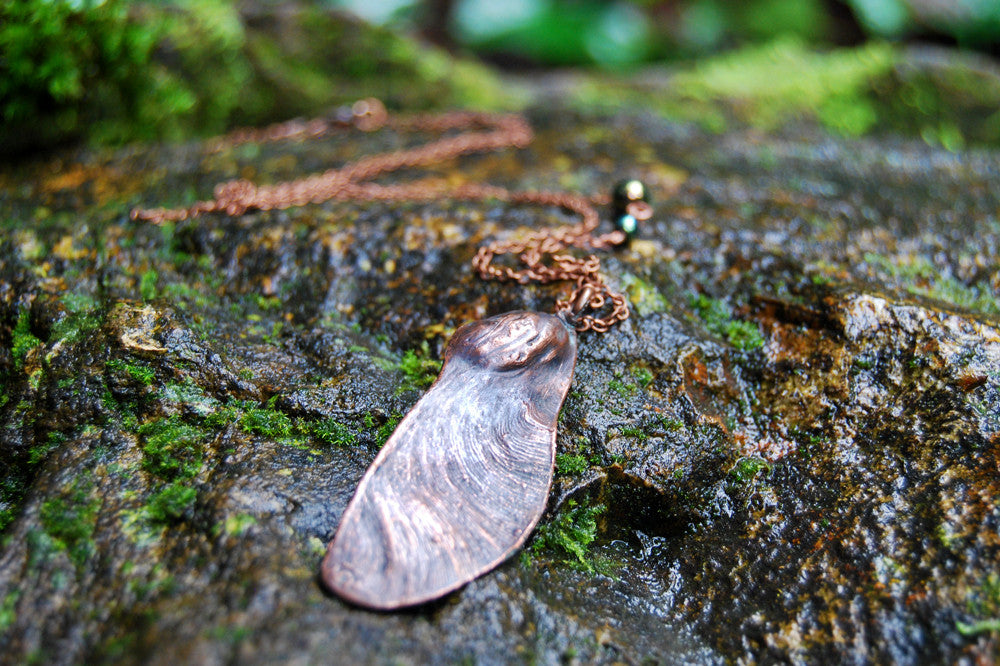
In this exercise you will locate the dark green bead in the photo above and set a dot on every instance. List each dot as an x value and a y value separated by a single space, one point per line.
626 192
628 224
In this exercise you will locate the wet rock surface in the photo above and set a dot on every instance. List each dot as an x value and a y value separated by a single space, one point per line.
788 453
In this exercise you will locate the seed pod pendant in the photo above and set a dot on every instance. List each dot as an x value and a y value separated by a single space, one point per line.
464 479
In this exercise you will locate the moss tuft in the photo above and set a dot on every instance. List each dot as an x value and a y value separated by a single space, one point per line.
140 372
570 535
169 504
420 371
267 421
8 613
22 341
571 464
147 285
719 321
920 277
70 521
173 448
747 469
330 431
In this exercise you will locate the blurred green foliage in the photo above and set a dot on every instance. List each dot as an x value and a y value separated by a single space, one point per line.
870 89
114 71
122 71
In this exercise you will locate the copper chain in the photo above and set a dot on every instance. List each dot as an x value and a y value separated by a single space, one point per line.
540 252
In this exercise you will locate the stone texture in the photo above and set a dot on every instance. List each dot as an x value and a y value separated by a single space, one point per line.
794 441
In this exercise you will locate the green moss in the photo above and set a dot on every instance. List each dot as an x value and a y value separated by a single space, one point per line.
147 285
267 421
119 71
40 452
169 504
621 388
863 363
385 430
81 318
69 522
635 432
140 372
330 431
719 321
419 370
670 424
642 375
22 341
238 524
920 277
12 489
776 82
267 302
979 627
8 613
173 448
644 297
571 464
747 469
570 535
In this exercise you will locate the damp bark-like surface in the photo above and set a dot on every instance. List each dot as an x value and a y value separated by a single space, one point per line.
788 453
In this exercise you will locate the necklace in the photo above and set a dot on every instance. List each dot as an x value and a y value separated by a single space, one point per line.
465 477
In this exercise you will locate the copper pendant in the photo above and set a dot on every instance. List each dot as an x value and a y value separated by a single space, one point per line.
464 479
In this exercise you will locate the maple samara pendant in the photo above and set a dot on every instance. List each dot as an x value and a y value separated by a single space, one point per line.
464 479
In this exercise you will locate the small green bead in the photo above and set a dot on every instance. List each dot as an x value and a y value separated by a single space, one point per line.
628 224
626 192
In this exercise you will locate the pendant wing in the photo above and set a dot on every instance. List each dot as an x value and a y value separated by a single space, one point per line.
465 477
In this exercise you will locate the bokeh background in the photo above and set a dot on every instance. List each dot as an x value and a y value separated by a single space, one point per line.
115 71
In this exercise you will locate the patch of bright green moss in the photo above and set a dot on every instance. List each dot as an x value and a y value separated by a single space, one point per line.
571 464
22 341
267 421
644 297
173 447
621 388
770 84
766 86
8 614
920 277
718 320
747 469
419 370
238 524
635 432
642 375
570 535
70 521
330 431
82 317
147 285
169 504
40 452
140 372
385 430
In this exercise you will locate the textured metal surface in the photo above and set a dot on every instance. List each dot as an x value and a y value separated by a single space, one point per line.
465 477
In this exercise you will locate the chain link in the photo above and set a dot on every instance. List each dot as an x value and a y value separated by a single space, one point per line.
541 253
